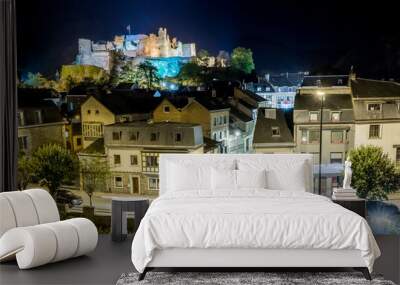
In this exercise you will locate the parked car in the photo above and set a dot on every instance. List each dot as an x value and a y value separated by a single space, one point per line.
68 198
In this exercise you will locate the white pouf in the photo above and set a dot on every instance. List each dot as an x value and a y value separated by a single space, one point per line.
31 232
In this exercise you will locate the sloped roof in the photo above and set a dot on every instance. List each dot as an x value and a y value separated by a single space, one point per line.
210 144
129 102
325 80
313 102
367 88
253 95
240 115
263 128
97 147
211 103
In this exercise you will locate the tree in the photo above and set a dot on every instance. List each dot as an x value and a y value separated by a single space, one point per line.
130 74
24 173
94 173
53 165
242 59
191 74
37 80
374 174
117 58
149 72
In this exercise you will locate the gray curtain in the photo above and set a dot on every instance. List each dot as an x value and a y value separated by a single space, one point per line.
8 97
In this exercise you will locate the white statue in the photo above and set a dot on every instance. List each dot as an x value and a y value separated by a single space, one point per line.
347 174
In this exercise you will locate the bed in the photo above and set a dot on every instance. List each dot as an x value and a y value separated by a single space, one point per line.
247 211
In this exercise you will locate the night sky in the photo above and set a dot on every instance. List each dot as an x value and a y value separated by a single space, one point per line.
319 36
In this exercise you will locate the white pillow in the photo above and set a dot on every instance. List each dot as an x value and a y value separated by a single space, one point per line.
251 178
282 174
184 178
223 179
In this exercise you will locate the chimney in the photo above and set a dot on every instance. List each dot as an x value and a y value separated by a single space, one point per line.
267 77
213 93
270 114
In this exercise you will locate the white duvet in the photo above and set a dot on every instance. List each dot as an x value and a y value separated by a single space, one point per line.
250 219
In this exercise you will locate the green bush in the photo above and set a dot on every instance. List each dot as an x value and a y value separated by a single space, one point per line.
374 174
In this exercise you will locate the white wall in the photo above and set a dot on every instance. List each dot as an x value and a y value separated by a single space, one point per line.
390 136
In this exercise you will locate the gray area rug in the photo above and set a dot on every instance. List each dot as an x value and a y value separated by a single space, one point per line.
236 278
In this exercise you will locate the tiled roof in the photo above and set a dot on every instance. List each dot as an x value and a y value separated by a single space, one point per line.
367 88
129 102
313 102
211 103
325 80
263 128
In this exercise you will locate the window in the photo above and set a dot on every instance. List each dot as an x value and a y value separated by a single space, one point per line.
153 137
374 131
134 160
124 119
215 121
166 109
335 116
118 182
150 161
314 116
374 107
275 131
154 183
220 135
38 116
78 141
313 136
92 130
398 155
225 119
117 159
117 136
178 137
97 112
215 136
336 157
88 112
337 137
304 136
133 136
23 143
21 118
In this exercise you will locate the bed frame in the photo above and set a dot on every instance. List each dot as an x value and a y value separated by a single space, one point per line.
259 259
238 259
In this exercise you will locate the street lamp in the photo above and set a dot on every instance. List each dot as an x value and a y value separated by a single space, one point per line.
322 96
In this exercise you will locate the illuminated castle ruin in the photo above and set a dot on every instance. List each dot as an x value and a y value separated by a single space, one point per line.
134 47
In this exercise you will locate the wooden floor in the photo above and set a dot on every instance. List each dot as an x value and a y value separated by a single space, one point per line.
111 259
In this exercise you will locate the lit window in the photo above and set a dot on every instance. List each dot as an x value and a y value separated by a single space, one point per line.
374 107
336 137
166 109
336 157
374 131
304 136
118 182
154 183
335 116
313 116
276 131
117 159
134 160
178 137
117 136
